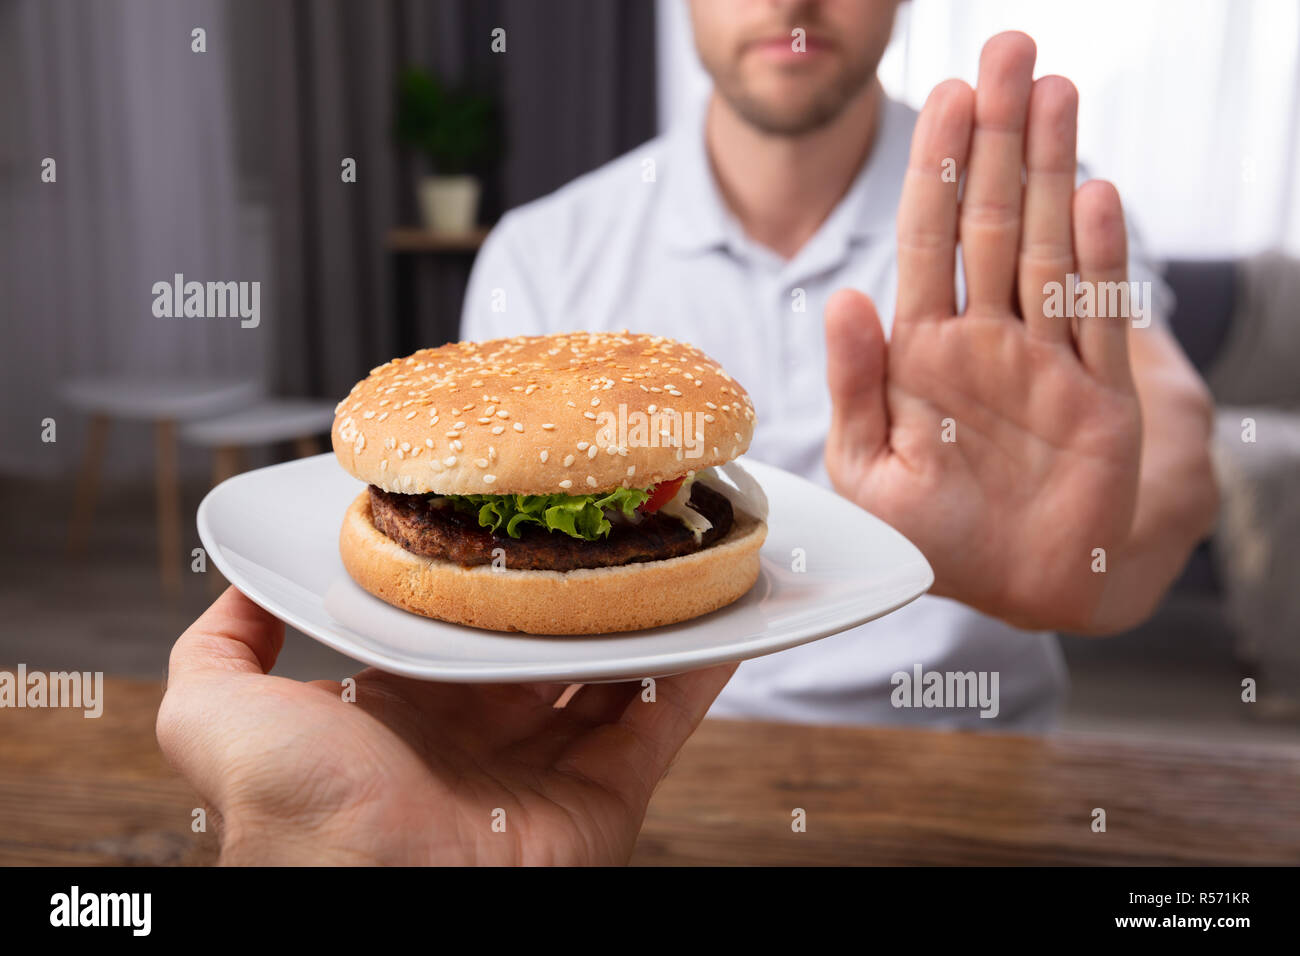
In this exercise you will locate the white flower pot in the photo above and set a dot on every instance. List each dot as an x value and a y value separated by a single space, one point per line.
449 204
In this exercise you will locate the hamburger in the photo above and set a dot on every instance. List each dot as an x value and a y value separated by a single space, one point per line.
581 483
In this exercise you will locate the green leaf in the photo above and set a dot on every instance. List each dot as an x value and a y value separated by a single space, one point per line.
579 516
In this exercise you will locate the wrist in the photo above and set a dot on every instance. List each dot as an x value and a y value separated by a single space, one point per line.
248 842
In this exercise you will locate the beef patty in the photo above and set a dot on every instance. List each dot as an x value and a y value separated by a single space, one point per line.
449 534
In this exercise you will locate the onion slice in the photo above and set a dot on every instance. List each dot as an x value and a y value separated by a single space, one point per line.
743 489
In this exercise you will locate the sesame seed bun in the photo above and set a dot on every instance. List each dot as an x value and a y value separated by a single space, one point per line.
588 601
554 414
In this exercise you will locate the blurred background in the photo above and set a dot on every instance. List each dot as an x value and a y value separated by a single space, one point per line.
349 158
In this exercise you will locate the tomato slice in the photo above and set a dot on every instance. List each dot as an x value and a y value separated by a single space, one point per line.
661 494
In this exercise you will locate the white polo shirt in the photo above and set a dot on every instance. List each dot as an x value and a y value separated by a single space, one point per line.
646 243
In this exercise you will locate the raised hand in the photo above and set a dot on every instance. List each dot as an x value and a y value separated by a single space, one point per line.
1004 442
412 772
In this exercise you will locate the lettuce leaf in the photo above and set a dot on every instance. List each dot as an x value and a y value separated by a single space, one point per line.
580 516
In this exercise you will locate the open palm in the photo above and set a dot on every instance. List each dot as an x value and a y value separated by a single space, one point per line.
1003 440
413 771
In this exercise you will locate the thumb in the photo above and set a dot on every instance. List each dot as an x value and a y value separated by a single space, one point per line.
855 373
234 634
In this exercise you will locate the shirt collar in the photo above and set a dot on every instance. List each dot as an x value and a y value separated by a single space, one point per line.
698 219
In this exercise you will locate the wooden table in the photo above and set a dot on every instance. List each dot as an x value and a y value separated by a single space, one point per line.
82 792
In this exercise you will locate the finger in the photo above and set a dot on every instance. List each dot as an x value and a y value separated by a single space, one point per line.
927 211
1101 247
234 634
1046 239
990 209
855 373
630 757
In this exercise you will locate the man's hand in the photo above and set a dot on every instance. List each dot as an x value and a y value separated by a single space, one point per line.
1003 442
412 772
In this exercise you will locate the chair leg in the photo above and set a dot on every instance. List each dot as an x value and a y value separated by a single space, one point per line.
168 493
227 461
83 506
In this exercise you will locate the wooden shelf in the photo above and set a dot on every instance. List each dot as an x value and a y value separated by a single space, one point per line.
416 239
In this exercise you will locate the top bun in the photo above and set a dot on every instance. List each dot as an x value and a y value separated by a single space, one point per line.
575 413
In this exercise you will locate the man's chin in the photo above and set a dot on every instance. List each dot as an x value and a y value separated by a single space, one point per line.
784 119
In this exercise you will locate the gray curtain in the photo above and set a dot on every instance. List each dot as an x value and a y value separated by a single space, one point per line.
139 126
313 83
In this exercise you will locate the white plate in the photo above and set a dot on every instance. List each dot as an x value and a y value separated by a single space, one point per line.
274 534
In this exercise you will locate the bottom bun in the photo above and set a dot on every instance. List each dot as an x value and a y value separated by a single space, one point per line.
586 601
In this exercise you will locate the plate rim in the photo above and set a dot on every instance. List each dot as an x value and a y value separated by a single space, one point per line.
618 670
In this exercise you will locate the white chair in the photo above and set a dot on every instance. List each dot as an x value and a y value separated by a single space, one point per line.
266 422
164 403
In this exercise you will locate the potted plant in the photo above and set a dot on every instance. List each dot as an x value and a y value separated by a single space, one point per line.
455 130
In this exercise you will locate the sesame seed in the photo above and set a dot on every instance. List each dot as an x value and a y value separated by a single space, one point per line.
457 445
498 429
566 483
591 452
383 464
360 443
383 416
582 445
549 426
428 443
488 479
595 402
519 426
406 446
481 462
591 481
368 415
545 455
568 460
631 470
410 415
591 415
451 460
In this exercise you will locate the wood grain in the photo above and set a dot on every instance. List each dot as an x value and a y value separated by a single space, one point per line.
75 791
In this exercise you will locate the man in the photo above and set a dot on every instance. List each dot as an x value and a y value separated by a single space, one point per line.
1023 452
790 182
